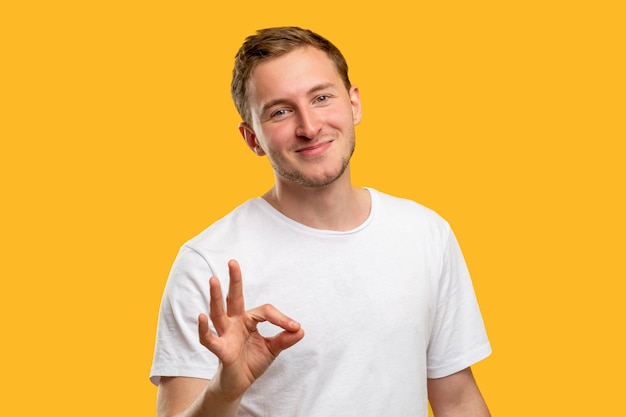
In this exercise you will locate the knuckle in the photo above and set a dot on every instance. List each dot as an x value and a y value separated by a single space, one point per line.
267 308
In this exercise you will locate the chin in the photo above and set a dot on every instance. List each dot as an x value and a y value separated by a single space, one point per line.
315 181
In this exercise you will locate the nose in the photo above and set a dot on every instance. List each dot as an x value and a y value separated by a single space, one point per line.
309 124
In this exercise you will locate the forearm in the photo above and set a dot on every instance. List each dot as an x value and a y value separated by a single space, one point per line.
192 397
211 403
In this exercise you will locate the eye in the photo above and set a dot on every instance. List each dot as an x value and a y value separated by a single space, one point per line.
321 98
278 113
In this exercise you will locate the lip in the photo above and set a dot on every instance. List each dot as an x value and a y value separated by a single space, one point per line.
314 150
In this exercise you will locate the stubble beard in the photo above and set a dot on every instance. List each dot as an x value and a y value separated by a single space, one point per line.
300 178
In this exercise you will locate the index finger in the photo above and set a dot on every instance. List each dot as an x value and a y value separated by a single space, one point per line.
234 299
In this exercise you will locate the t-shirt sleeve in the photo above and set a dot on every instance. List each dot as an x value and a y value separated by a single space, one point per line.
458 338
178 351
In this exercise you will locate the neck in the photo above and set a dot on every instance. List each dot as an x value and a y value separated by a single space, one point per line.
338 206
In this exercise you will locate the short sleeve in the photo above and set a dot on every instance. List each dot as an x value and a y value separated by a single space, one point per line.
178 351
458 338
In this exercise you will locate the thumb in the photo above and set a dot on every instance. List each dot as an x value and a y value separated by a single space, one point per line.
284 340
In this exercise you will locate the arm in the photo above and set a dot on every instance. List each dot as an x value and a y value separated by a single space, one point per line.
456 395
244 354
182 396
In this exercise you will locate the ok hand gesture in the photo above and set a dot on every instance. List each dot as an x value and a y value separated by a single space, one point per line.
243 352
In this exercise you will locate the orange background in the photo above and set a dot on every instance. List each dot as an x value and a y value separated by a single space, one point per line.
119 142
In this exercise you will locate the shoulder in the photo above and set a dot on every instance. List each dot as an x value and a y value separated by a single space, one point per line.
402 209
207 253
243 217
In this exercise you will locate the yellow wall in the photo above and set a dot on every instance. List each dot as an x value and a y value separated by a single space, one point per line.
119 142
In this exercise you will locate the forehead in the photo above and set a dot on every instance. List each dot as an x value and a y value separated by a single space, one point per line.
291 73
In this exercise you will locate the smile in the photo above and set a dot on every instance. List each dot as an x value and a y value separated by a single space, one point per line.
315 149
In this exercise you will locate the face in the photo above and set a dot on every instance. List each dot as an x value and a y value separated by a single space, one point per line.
303 117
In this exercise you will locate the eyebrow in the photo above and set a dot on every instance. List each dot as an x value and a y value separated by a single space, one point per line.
280 101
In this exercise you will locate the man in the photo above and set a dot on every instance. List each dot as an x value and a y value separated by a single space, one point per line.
378 283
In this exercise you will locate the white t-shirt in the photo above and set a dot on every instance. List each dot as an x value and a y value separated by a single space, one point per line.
384 307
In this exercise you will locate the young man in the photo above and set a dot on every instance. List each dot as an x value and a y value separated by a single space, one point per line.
378 283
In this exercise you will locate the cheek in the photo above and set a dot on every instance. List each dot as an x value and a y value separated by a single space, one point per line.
345 116
276 135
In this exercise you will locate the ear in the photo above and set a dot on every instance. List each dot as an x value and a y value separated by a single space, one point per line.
250 137
355 100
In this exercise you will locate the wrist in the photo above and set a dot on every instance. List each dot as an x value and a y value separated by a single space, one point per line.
220 388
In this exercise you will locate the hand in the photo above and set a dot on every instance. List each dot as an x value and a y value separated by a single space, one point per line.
243 352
